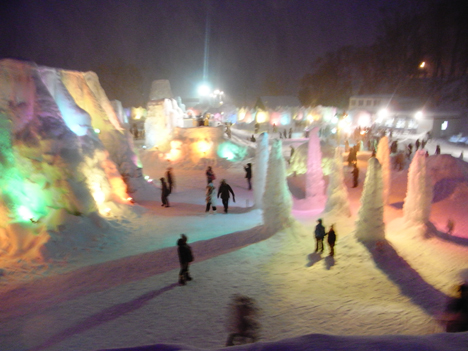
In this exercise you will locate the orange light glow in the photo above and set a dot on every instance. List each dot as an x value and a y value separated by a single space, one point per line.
176 151
203 146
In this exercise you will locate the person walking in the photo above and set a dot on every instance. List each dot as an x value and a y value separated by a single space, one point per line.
248 174
164 193
210 198
319 235
332 239
225 190
185 257
210 176
355 173
170 179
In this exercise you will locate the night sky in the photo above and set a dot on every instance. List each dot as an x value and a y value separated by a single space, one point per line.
252 42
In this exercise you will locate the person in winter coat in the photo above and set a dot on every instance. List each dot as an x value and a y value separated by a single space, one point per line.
437 152
248 174
319 235
224 190
164 193
210 176
331 240
185 257
170 179
210 197
355 173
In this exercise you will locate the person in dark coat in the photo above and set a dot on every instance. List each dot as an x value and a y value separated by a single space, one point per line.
225 190
290 133
210 176
164 193
437 150
170 179
185 257
331 240
417 144
355 173
319 235
248 174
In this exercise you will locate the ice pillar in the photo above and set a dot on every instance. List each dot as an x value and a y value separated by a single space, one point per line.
383 155
315 185
337 193
418 201
260 169
277 200
370 225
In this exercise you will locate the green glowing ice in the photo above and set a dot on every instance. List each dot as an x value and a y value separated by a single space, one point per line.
232 152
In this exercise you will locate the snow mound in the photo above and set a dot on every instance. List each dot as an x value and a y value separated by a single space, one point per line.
321 342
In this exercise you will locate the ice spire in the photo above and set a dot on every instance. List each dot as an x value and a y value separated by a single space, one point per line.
337 193
383 155
370 225
418 201
277 200
260 169
315 184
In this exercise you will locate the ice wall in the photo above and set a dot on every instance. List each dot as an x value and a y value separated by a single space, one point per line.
53 166
315 185
418 201
277 200
259 171
383 155
337 192
370 225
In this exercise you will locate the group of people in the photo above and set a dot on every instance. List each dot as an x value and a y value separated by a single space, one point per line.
320 234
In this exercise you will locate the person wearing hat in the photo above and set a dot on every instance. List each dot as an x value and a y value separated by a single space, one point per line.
332 239
185 257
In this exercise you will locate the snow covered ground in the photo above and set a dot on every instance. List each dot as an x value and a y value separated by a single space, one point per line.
122 291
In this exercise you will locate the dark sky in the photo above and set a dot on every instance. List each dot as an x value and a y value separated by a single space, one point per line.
251 41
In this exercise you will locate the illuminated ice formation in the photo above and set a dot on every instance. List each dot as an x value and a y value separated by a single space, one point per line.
418 201
53 165
383 155
370 225
315 185
277 200
259 170
337 192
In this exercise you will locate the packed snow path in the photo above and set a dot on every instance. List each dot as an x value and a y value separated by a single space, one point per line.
126 295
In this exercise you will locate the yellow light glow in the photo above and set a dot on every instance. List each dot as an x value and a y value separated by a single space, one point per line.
176 151
203 146
261 117
422 65
98 195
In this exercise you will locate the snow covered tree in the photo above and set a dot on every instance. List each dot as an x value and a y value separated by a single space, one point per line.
260 169
277 200
337 193
383 155
370 225
315 185
418 201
